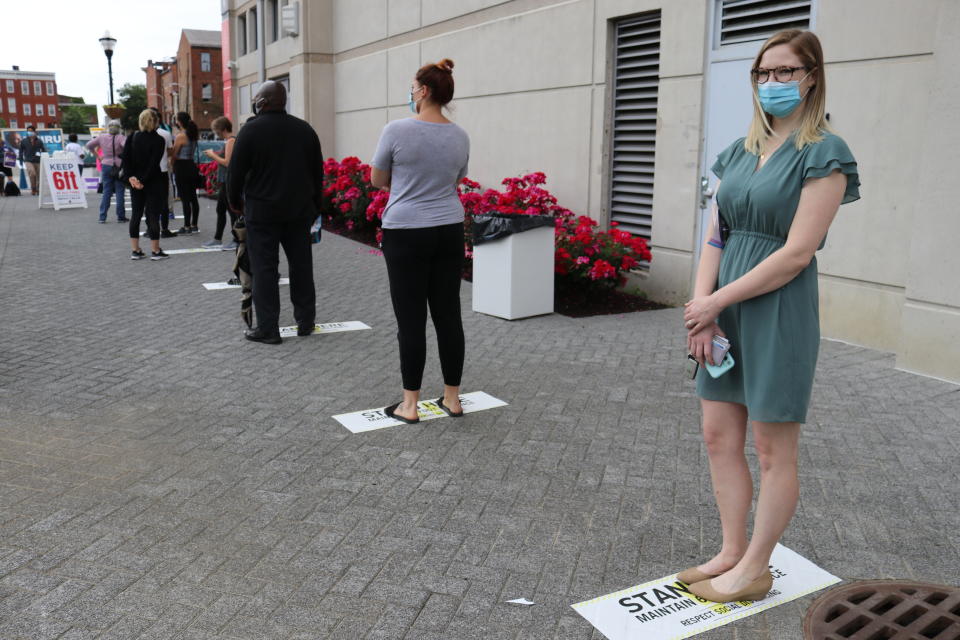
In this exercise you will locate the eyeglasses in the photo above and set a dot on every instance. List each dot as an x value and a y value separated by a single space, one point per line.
780 74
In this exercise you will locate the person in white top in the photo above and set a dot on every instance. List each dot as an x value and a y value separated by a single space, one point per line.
74 147
165 173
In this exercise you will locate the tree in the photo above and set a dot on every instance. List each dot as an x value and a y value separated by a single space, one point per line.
133 97
3 123
74 120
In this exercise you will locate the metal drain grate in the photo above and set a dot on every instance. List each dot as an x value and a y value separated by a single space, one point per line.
885 610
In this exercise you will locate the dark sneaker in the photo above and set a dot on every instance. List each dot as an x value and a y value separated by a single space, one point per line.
305 329
123 219
234 281
256 335
194 229
158 255
103 221
184 231
137 255
166 233
212 244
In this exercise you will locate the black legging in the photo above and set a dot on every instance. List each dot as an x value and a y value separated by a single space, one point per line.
425 267
185 174
223 208
153 199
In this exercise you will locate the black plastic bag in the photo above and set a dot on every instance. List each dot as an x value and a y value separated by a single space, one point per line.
493 226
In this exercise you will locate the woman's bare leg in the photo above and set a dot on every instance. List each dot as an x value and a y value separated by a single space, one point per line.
724 432
777 446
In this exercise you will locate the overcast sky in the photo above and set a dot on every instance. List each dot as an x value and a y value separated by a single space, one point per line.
63 36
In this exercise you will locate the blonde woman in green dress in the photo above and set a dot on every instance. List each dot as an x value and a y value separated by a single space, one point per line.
781 188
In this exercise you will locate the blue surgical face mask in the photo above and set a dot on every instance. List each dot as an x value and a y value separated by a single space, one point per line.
779 99
411 102
30 134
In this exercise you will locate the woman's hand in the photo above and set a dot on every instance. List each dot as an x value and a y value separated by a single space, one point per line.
700 344
209 153
701 312
135 183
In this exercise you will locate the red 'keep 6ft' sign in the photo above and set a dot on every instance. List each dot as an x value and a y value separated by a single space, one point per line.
63 180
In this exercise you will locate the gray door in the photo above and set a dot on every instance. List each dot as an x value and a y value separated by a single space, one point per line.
740 28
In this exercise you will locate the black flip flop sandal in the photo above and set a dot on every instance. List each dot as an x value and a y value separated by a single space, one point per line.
389 411
446 409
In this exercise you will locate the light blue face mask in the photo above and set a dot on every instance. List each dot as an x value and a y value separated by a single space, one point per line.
779 99
411 102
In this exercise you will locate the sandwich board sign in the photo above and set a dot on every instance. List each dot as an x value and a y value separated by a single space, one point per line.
60 183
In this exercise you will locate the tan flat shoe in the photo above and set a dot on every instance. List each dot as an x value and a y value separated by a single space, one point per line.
693 575
756 590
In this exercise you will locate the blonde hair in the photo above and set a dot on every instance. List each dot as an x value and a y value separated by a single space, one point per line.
147 120
813 121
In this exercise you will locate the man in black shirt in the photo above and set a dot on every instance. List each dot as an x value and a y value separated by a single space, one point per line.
30 149
276 182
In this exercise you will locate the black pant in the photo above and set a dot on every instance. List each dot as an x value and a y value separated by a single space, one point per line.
153 199
185 175
425 267
223 208
263 245
165 210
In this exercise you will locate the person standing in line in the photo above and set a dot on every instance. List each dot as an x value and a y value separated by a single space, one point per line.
422 160
74 147
141 170
276 183
223 128
164 132
111 146
781 188
185 171
30 149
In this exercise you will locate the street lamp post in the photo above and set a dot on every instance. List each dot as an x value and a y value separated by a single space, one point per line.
108 44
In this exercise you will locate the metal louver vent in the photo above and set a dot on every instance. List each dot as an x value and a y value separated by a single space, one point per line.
749 20
635 84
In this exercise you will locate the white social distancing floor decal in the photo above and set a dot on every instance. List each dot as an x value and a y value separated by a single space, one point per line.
193 250
665 610
360 421
214 286
329 327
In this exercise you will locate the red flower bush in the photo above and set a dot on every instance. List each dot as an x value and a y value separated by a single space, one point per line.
347 192
585 253
208 171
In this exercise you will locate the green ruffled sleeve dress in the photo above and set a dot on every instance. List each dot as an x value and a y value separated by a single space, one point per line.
775 337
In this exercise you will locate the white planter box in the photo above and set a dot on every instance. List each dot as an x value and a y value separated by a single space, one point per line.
513 276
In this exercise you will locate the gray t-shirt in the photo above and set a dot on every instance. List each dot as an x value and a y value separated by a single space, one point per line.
426 161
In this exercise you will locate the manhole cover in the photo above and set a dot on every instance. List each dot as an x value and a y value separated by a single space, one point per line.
885 610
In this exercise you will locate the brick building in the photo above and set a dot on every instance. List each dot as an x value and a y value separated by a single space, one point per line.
29 97
191 82
162 87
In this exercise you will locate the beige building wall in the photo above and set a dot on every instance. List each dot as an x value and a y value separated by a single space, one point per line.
533 93
306 58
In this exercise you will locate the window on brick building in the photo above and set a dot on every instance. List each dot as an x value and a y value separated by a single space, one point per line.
39 110
10 86
27 110
206 92
15 123
49 88
25 87
37 88
204 62
52 110
12 105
